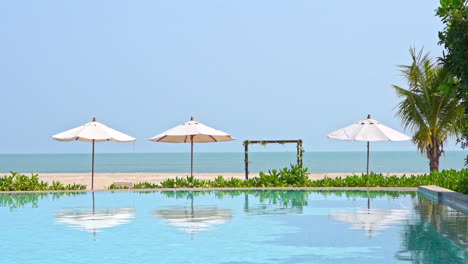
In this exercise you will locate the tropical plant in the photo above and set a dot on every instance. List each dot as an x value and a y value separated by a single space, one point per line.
454 38
296 176
429 108
20 182
119 187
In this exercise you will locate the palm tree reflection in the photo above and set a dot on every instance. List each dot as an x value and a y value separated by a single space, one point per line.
438 235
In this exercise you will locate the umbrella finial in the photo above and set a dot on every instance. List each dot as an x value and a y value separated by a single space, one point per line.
369 116
192 118
94 119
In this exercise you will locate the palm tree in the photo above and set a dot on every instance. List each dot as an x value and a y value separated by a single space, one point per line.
430 108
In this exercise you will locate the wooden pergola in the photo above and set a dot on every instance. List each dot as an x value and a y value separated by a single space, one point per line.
298 143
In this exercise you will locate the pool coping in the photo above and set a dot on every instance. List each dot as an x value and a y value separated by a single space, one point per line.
400 189
456 200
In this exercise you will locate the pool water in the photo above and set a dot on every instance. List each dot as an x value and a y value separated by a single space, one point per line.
230 227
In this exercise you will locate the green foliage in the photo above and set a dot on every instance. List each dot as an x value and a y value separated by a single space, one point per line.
115 187
145 185
450 179
454 38
462 185
297 176
187 182
427 109
21 182
220 182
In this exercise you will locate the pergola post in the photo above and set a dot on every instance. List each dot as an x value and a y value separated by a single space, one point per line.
246 159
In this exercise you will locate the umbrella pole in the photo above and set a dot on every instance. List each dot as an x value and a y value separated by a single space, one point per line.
92 168
368 147
191 156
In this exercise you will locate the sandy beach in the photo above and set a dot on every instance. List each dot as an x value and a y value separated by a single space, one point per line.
104 180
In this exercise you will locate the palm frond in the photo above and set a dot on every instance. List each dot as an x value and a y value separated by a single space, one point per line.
431 114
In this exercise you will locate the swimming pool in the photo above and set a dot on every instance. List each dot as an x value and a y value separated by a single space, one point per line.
230 227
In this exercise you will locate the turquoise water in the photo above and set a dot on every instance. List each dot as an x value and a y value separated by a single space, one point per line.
225 162
230 227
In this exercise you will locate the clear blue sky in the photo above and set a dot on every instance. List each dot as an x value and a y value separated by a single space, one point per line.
255 69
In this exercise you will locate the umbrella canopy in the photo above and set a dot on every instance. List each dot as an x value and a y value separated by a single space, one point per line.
368 130
93 132
192 132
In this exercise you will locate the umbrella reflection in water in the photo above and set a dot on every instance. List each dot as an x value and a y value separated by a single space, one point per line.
94 220
371 220
192 219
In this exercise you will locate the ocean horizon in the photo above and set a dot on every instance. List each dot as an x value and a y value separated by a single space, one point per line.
226 162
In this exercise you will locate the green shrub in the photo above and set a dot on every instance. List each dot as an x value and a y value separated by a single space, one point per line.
21 182
463 185
450 179
115 187
297 176
145 185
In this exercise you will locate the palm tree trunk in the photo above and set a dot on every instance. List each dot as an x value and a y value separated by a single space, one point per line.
433 154
434 163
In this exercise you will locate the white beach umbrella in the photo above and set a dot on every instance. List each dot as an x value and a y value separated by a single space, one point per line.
193 132
368 130
93 132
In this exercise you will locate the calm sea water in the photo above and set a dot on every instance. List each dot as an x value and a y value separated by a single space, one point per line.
225 162
230 227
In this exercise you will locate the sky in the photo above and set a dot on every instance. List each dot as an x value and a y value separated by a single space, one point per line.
254 69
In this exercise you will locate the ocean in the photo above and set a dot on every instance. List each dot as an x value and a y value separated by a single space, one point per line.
232 162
